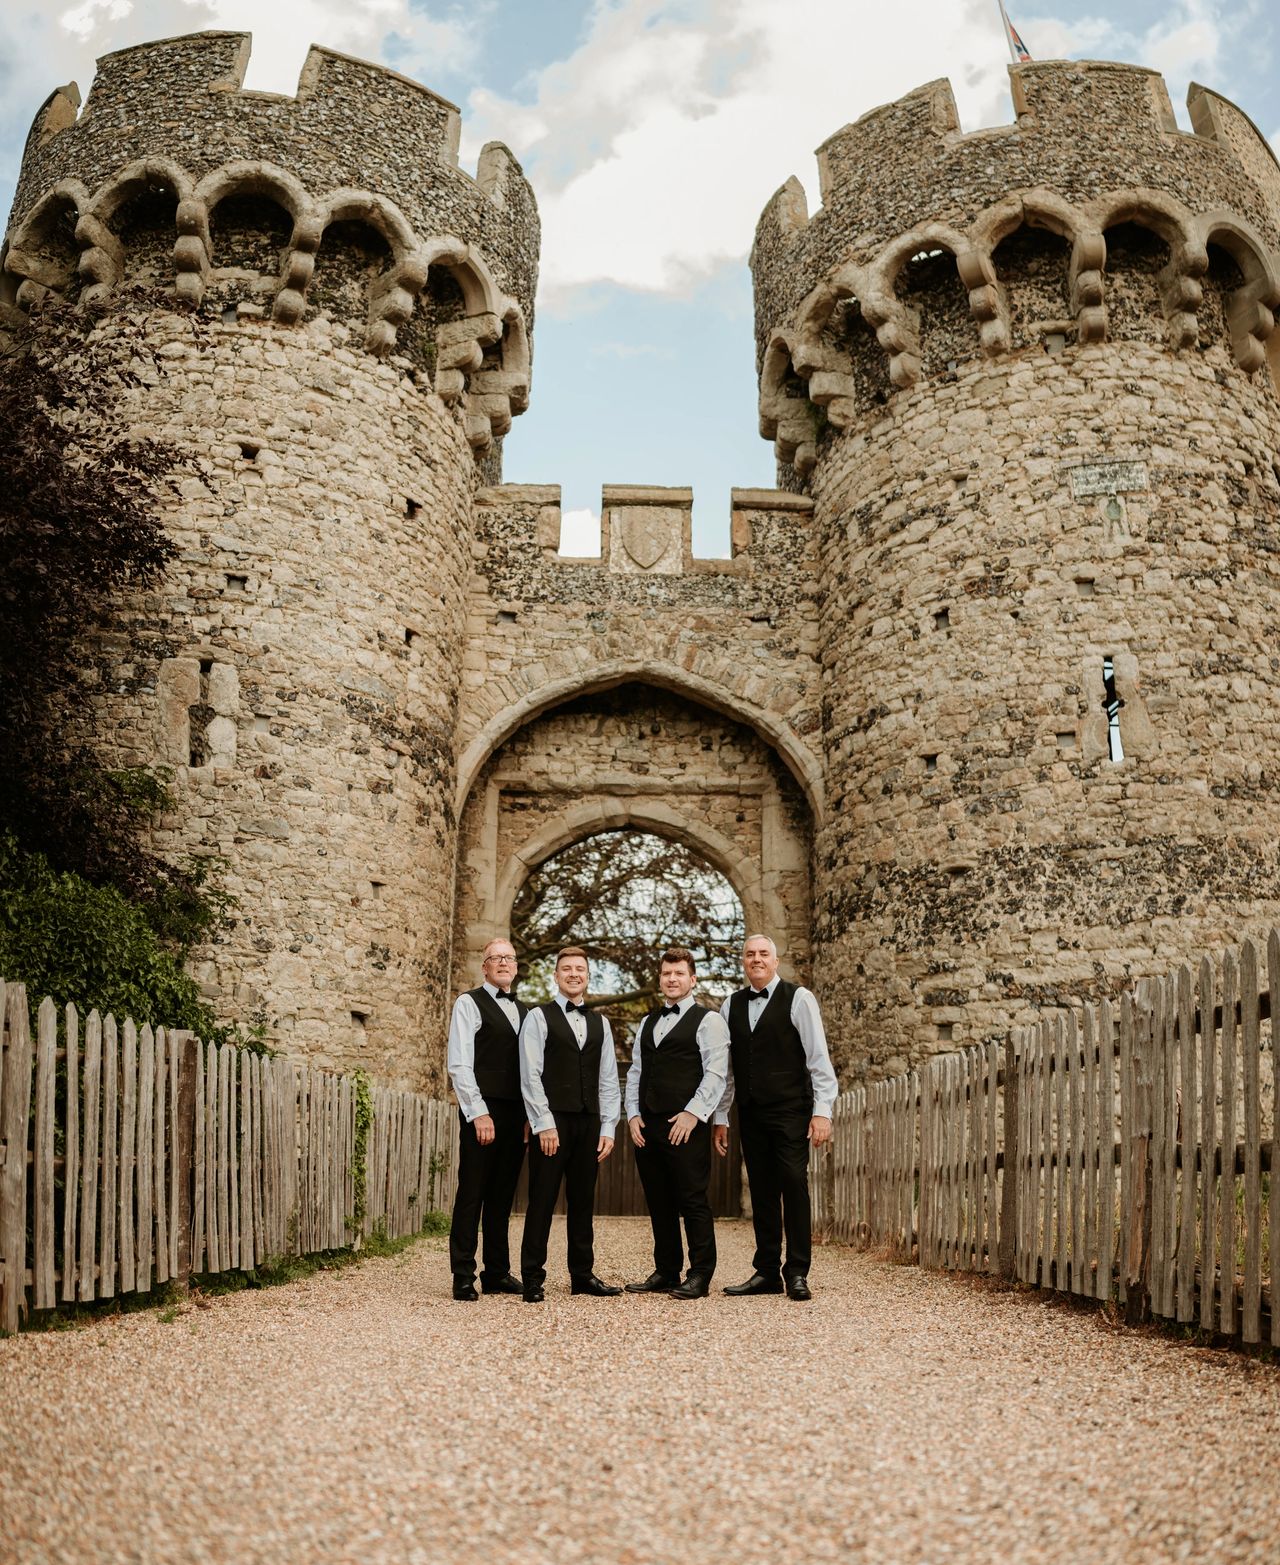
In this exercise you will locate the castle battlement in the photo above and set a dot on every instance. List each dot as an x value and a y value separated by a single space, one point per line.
356 176
1094 146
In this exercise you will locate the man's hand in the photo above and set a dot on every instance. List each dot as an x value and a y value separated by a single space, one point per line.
636 1126
819 1129
603 1148
484 1128
682 1126
720 1139
526 1132
549 1141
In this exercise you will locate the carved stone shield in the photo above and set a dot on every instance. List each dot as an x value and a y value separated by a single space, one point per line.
644 537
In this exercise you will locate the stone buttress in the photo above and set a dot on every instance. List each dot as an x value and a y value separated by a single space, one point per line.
312 299
1028 376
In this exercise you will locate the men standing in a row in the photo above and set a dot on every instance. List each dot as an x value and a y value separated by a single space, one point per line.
484 1066
569 1079
677 1079
782 1078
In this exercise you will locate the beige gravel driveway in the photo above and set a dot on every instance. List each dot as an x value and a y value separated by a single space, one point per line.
363 1416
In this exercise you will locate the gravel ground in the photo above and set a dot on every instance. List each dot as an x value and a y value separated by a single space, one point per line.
362 1415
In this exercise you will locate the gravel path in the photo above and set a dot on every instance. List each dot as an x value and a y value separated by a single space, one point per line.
363 1416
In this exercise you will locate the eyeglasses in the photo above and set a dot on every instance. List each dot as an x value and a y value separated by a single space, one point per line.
499 958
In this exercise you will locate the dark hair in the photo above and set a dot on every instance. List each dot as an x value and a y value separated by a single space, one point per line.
572 951
674 954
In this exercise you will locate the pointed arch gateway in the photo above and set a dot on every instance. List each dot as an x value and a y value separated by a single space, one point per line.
640 752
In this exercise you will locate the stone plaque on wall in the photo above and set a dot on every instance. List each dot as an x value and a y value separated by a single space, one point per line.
1103 478
646 539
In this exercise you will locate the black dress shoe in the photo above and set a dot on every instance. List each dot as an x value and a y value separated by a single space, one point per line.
798 1288
693 1287
655 1282
504 1284
756 1283
593 1286
465 1289
533 1295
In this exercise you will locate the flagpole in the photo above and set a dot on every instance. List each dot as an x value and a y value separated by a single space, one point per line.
1008 32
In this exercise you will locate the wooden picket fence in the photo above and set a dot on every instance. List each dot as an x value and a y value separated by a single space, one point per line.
1121 1151
130 1156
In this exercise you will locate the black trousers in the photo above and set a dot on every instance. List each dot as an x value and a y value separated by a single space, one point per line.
487 1179
675 1181
775 1148
574 1165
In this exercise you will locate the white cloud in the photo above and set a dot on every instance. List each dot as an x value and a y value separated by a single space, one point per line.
654 143
580 534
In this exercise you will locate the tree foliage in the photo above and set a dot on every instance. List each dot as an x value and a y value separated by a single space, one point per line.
78 529
624 896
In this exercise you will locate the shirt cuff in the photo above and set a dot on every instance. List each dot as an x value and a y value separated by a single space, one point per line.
544 1122
608 1127
477 1109
822 1110
692 1108
721 1118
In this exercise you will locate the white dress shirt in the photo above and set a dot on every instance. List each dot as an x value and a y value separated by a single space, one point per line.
807 1020
533 1048
460 1059
713 1046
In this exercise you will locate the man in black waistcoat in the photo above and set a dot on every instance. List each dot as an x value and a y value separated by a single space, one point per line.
677 1078
484 1066
569 1079
780 1074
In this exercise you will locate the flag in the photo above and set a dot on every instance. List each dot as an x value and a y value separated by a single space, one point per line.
1018 51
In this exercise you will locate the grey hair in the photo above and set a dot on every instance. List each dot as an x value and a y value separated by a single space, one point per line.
773 949
498 940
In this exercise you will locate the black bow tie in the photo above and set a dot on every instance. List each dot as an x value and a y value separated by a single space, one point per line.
759 994
506 994
570 1006
670 1010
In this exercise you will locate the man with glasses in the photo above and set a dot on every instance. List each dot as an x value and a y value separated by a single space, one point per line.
484 1066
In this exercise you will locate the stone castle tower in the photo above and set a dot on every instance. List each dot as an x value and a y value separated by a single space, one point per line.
983 707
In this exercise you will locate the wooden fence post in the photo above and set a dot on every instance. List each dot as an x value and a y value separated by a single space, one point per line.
15 1113
183 1132
1009 1189
1137 1221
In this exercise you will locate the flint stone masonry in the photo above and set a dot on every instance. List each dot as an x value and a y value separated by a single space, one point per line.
981 712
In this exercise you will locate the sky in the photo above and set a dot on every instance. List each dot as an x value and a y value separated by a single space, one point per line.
654 131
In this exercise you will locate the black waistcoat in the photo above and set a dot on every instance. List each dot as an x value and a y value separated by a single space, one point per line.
768 1064
670 1072
497 1054
571 1075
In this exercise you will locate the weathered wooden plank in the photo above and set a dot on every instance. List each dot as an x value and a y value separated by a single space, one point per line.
1126 1224
1048 1236
128 1154
1160 1140
15 1117
201 1119
1078 1267
1227 1179
159 1150
1273 1214
146 1107
1062 1152
245 1164
1103 1288
1208 1147
1251 1048
186 1211
233 1154
109 1180
1169 1189
90 1182
71 1171
1188 1145
44 1290
223 1181
257 1183
1090 1269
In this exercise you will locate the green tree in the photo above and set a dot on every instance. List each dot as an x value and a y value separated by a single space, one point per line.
623 896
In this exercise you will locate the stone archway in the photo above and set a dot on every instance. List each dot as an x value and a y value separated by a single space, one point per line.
635 754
